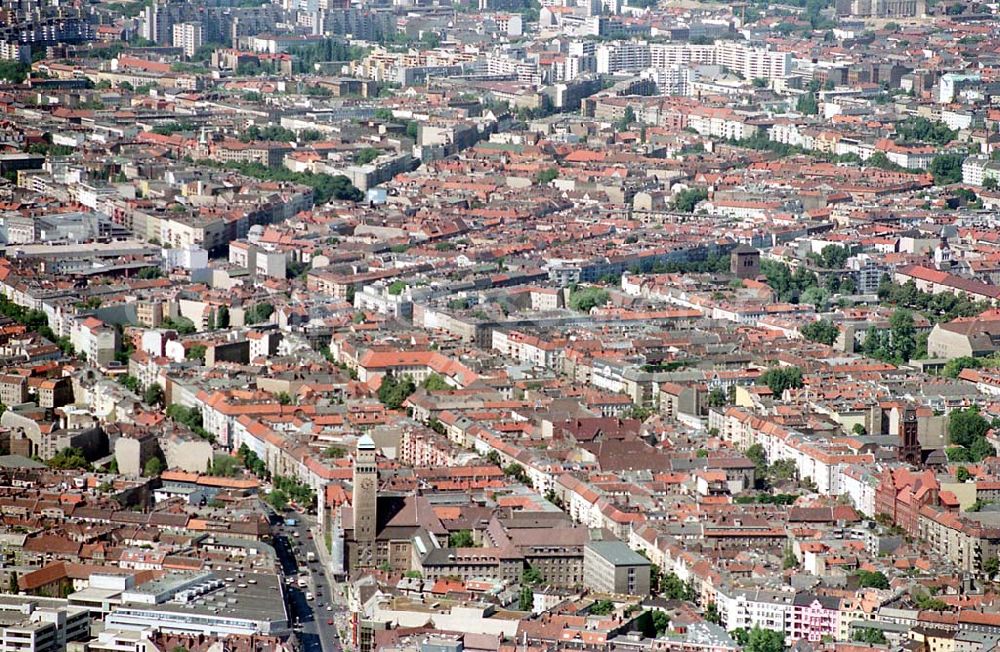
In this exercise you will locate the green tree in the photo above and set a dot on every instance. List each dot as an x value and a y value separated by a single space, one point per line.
602 608
981 449
764 640
903 335
922 130
260 312
990 183
717 397
686 200
947 169
67 459
526 599
196 352
712 614
823 331
807 104
394 391
153 395
962 474
546 176
991 566
778 379
585 299
955 366
131 383
436 383
278 500
396 288
531 577
661 622
869 635
872 579
966 426
366 156
222 317
224 466
461 539
153 468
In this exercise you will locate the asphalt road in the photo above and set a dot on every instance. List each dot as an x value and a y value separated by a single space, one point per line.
318 630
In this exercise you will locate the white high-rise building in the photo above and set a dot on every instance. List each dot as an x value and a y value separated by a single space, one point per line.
188 37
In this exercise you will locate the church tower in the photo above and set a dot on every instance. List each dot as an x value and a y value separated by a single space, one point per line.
364 501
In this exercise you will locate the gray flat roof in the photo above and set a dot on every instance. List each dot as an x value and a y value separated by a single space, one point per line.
617 553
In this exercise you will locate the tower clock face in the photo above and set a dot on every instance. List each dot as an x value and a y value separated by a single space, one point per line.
366 484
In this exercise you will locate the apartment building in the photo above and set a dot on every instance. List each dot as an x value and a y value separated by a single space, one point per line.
612 567
188 37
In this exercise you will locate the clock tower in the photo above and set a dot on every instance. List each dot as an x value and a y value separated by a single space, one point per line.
364 501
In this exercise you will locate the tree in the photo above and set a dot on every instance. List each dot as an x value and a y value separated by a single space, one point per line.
955 366
712 614
823 331
872 579
869 635
672 587
903 335
196 352
222 317
981 449
990 183
661 622
602 608
394 391
153 468
131 383
807 104
947 169
436 383
789 560
584 300
396 288
859 429
962 474
966 426
260 312
755 454
461 539
531 577
278 500
224 466
778 379
764 640
526 599
991 566
717 397
12 585
153 395
922 130
67 459
366 156
546 176
284 398
686 200
627 119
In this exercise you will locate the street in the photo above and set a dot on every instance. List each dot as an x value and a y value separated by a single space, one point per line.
317 618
